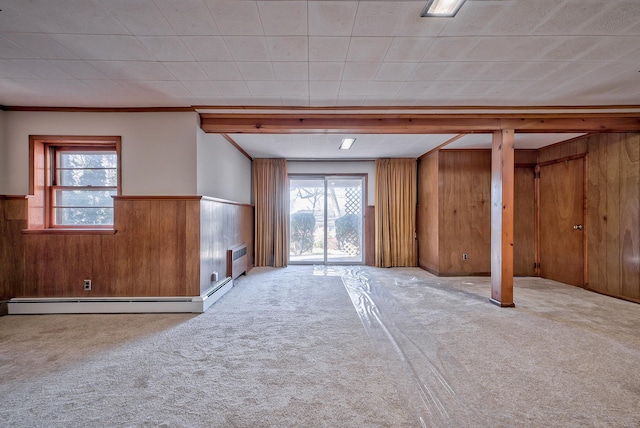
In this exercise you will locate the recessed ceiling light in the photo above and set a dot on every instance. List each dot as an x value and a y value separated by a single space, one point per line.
442 8
347 143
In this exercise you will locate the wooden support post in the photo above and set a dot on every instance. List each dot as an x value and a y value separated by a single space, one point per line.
502 179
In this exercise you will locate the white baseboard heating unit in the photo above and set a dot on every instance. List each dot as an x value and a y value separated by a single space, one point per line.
119 305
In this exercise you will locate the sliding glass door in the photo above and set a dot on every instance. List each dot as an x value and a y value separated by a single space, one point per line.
326 219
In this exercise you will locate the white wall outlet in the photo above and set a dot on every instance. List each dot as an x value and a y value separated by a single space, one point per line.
87 285
214 277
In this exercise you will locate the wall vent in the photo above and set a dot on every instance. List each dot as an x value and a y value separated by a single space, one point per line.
237 260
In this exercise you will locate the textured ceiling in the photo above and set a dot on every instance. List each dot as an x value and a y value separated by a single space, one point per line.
180 53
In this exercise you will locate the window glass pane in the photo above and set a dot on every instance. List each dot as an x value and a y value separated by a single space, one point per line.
84 216
88 177
87 169
306 222
84 198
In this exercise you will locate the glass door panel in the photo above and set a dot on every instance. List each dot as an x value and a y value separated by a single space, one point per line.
344 219
326 219
306 222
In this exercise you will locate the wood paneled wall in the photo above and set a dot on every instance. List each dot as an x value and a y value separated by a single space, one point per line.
222 225
612 226
454 212
155 250
13 218
427 217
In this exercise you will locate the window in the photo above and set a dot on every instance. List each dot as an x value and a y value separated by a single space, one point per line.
73 181
83 181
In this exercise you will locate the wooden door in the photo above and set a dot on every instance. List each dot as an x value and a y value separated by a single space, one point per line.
562 222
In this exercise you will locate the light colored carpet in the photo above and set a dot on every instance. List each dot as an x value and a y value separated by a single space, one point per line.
299 347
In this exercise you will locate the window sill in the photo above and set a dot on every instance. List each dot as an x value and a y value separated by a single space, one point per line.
70 231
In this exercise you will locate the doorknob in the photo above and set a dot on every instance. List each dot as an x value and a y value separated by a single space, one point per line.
577 227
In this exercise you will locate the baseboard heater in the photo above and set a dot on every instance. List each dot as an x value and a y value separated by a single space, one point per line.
119 305
237 260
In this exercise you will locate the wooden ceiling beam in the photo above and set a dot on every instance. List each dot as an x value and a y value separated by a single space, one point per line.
416 123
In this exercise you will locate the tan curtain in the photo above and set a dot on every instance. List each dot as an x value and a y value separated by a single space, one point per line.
396 181
271 199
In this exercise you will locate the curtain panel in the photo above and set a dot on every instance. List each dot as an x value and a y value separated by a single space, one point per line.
271 200
395 218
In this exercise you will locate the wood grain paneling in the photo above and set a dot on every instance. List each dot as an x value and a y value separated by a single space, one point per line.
156 250
614 203
427 221
222 226
13 218
562 150
524 245
465 212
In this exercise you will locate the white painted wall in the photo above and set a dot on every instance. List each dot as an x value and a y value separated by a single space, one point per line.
223 171
347 167
158 149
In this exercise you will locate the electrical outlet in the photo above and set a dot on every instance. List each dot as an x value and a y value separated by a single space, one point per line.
214 277
465 256
87 285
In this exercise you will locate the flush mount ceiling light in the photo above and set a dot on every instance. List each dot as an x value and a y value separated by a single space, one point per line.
442 8
347 143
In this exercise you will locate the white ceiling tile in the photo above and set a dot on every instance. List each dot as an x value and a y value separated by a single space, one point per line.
188 70
331 18
410 23
328 48
408 49
569 48
188 17
248 48
520 17
16 20
208 48
11 70
236 18
291 70
42 45
295 101
428 71
466 71
612 48
324 89
376 18
370 88
67 16
278 88
283 18
325 70
509 48
232 88
105 47
571 17
132 70
256 70
395 71
288 48
360 70
12 50
79 69
498 70
413 89
201 88
221 70
43 69
449 48
167 48
170 88
368 48
473 19
140 17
